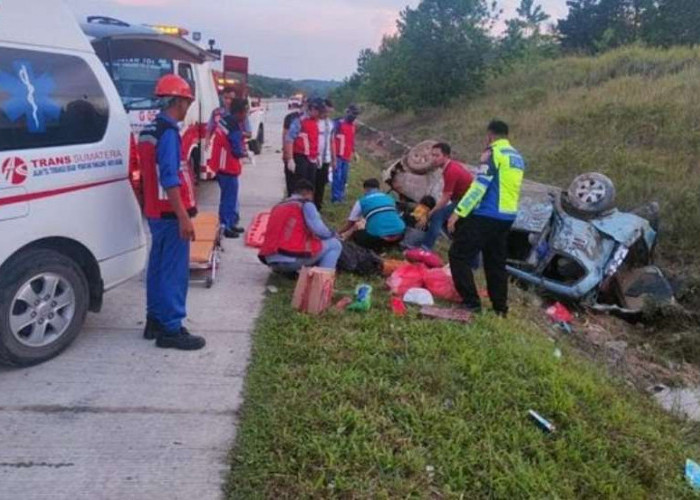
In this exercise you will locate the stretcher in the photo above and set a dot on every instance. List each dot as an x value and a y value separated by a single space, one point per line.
205 250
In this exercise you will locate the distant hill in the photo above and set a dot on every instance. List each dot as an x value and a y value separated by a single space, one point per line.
267 86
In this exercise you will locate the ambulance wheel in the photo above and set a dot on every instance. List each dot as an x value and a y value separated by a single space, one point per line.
43 303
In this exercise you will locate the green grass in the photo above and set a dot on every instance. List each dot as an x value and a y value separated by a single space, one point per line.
633 114
352 405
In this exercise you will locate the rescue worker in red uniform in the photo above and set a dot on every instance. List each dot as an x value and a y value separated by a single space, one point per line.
227 97
169 204
344 142
302 142
227 151
296 236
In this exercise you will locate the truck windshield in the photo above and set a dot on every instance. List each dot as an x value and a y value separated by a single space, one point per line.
136 78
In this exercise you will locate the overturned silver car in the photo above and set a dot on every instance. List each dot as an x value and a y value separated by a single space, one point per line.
574 244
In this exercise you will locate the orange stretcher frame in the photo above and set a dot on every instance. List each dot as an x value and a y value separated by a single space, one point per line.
205 250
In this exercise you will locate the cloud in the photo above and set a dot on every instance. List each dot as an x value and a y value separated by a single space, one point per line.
290 38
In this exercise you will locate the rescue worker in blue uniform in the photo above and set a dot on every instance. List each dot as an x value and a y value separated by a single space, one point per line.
482 220
169 204
384 227
232 128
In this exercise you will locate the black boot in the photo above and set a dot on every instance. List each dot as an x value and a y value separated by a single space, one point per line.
152 329
184 341
231 233
239 229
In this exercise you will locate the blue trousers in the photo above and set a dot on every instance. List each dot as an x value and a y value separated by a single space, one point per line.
435 225
168 275
340 180
327 259
228 205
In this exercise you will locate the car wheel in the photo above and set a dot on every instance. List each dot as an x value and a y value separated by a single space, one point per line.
43 303
591 194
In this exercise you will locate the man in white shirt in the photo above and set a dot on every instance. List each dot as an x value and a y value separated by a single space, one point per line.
326 153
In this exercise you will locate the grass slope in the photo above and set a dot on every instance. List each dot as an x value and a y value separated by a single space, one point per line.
369 405
633 114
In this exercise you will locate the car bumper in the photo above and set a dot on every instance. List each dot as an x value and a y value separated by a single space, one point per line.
116 270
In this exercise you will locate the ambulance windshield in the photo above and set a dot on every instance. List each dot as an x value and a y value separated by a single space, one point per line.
135 79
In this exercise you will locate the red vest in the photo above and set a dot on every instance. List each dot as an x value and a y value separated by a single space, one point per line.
222 158
306 142
345 140
288 234
156 203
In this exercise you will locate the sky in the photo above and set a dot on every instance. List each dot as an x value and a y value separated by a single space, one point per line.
283 38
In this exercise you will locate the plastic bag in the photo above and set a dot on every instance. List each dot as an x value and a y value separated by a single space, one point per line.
357 260
406 277
419 296
440 283
430 259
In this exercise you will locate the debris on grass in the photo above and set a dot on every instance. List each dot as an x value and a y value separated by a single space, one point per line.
692 474
449 314
343 303
363 299
397 306
542 422
272 289
559 313
557 353
419 297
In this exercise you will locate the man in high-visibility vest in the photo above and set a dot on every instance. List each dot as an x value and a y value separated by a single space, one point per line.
483 218
169 204
302 142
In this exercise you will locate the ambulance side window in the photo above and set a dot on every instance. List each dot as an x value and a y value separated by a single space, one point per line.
49 100
185 71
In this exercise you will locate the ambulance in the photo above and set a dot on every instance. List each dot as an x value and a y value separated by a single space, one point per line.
137 56
70 225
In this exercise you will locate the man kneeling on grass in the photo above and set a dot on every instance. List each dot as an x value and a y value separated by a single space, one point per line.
384 226
297 237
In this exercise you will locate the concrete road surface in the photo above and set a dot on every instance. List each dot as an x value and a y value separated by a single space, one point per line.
114 417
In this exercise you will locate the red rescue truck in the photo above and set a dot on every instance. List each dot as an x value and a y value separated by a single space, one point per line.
137 56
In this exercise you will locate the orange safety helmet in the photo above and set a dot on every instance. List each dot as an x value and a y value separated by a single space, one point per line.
173 86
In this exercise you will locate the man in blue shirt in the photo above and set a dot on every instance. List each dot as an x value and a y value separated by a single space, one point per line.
384 226
169 205
330 246
233 124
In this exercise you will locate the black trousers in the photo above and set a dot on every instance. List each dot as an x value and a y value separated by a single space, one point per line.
321 182
476 234
289 179
374 243
305 169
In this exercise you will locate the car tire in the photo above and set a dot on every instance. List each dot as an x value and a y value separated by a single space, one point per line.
418 160
591 194
49 292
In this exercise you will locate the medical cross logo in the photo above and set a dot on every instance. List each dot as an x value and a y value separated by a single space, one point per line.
14 170
30 97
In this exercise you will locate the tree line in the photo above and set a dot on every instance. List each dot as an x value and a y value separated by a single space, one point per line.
266 86
447 48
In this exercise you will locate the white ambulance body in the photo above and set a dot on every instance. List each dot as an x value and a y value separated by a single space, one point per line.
136 57
70 225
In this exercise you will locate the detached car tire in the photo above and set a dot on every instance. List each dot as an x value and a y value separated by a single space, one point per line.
43 303
591 194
